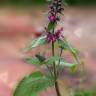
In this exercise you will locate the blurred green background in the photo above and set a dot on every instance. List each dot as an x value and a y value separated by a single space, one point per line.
40 2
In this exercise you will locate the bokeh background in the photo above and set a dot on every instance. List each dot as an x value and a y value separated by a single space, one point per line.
22 20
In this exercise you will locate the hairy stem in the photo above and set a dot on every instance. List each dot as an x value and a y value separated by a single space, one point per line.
55 73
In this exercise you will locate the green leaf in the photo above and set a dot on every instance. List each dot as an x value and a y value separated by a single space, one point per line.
37 42
33 84
62 44
84 92
40 58
63 63
65 45
58 60
51 26
33 61
51 60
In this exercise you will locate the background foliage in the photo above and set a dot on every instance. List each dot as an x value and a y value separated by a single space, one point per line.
40 2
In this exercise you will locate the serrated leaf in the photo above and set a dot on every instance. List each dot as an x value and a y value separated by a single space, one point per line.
33 84
36 42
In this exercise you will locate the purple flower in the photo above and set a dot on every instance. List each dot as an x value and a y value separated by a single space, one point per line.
56 7
53 37
59 34
60 30
52 18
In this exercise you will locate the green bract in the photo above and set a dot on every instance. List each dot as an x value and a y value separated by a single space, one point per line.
51 26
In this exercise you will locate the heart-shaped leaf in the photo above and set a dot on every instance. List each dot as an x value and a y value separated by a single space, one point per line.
33 84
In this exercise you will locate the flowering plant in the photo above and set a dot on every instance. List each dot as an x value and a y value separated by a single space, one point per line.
37 81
